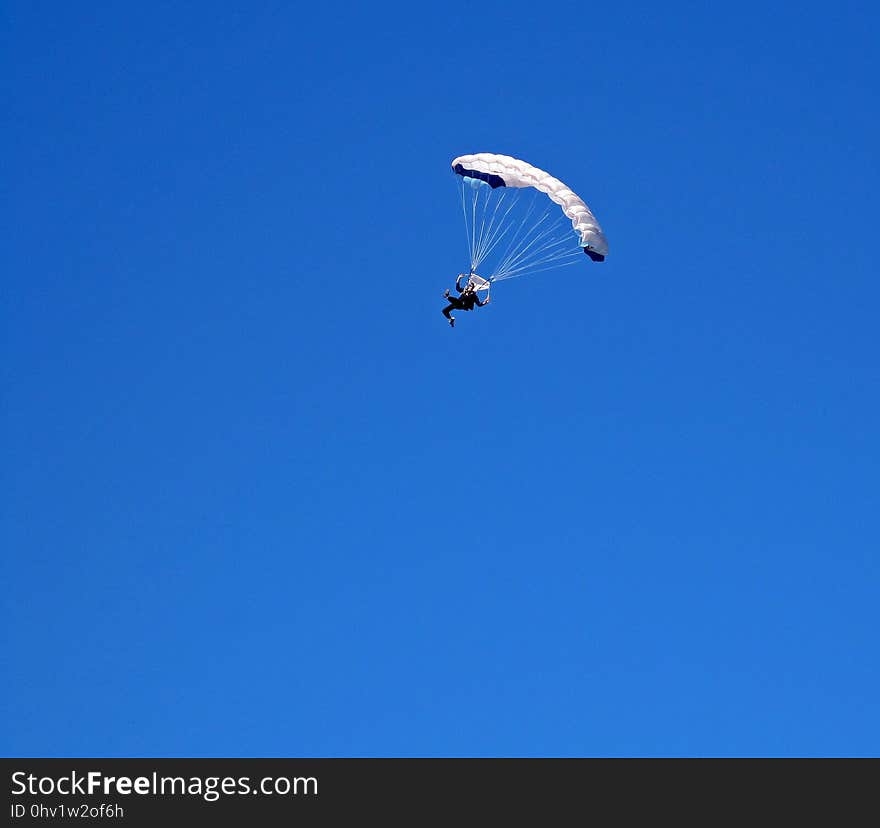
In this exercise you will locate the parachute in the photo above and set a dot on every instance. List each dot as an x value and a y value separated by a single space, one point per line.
512 220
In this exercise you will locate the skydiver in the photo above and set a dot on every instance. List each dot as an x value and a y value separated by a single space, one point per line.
466 299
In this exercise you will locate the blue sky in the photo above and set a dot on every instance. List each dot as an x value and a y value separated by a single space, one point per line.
260 500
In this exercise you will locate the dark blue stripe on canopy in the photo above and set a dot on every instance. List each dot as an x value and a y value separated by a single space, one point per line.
492 180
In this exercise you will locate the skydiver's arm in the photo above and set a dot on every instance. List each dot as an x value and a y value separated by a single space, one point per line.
484 302
458 286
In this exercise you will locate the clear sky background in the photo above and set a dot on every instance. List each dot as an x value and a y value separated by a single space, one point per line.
258 499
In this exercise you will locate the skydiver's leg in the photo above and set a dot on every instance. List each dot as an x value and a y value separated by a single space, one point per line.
454 304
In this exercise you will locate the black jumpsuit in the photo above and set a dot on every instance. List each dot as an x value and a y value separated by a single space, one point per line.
464 301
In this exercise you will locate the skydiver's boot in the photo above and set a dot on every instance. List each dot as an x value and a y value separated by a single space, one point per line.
446 293
451 321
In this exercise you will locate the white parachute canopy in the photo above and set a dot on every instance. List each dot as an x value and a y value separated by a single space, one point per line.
513 221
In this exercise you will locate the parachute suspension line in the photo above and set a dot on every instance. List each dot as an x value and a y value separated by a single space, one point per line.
477 257
474 226
558 251
544 249
515 234
501 229
522 240
535 243
464 213
550 264
469 212
531 249
481 239
478 252
494 231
